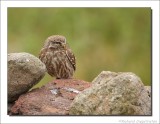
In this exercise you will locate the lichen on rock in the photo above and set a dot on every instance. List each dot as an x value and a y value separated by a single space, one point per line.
113 94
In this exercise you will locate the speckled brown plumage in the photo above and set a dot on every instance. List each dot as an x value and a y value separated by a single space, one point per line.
58 57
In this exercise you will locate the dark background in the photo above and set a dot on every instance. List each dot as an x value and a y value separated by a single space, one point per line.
110 39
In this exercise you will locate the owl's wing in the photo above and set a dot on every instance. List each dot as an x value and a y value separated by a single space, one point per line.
42 53
71 57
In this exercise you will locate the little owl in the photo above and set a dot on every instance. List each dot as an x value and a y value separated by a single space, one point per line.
58 57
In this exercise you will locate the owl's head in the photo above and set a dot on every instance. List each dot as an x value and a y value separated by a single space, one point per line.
55 41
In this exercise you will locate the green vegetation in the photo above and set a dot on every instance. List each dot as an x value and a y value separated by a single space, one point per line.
110 39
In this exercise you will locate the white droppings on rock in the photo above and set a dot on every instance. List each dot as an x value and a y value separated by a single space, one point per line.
27 60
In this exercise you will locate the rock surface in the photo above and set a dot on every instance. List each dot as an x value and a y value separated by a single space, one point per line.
52 99
24 71
148 89
113 94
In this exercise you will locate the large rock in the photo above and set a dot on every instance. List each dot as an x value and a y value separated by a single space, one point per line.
113 94
54 98
148 89
24 71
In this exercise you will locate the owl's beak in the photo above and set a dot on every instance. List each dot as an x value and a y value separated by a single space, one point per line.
51 47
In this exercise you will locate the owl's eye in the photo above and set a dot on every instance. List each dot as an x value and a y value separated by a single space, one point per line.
57 43
53 42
